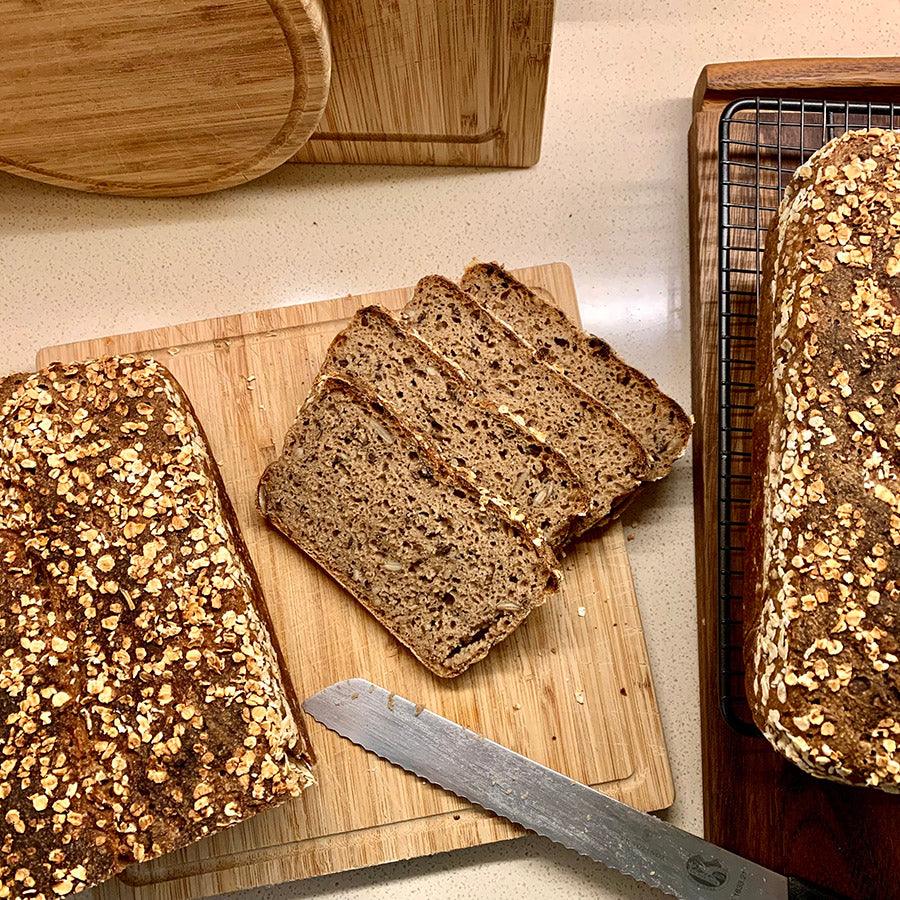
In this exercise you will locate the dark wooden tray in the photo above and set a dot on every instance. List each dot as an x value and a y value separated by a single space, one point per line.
755 802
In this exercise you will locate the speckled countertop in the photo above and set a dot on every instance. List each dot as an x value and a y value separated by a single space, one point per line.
609 197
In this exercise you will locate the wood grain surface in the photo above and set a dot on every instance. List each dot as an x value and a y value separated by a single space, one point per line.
435 82
158 97
788 77
756 803
246 376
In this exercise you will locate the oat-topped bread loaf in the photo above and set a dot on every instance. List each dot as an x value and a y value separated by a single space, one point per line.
823 646
502 459
658 422
603 451
443 568
140 696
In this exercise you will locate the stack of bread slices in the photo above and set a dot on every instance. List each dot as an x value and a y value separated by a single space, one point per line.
447 455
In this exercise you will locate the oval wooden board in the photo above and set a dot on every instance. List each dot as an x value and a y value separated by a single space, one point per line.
158 97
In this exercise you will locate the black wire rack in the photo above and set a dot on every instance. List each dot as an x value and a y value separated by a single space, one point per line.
762 141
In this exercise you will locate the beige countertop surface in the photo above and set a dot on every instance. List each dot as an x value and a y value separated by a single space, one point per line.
609 197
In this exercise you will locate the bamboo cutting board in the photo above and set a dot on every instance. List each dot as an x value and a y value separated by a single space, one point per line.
158 97
246 376
435 82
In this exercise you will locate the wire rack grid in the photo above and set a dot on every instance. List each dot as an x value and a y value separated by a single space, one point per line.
762 141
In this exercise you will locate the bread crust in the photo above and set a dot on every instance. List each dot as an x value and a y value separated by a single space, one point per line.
823 618
139 686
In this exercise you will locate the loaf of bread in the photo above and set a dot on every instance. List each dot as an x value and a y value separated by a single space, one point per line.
442 567
501 458
603 451
140 693
823 639
658 422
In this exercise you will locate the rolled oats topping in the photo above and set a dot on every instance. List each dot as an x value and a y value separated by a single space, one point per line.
134 652
823 653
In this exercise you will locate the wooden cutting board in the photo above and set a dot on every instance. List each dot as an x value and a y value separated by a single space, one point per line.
435 82
756 803
246 376
158 97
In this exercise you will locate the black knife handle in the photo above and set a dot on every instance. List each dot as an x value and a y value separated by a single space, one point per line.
798 889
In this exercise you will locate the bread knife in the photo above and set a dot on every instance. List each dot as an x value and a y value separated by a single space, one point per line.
544 801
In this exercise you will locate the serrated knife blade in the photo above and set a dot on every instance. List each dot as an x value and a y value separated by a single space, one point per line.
543 800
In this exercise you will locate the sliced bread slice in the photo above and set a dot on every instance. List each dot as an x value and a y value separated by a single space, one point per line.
444 569
500 457
601 449
659 423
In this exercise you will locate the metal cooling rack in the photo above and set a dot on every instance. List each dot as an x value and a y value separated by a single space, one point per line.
761 142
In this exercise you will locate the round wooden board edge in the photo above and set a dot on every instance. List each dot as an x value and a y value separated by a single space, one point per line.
304 24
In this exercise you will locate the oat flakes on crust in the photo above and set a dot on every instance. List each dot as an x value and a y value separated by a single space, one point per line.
140 697
823 646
